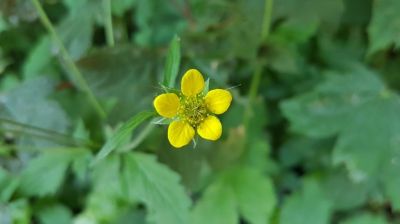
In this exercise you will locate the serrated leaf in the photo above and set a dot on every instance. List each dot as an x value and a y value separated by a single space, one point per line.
299 18
216 206
309 205
77 28
344 192
384 28
45 173
172 63
112 76
240 192
157 22
317 113
29 103
121 134
157 187
364 115
255 196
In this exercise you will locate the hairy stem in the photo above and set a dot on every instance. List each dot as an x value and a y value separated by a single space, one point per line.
256 78
108 23
68 60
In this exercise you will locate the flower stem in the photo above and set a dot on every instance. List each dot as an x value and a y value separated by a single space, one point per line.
82 84
256 78
15 127
108 23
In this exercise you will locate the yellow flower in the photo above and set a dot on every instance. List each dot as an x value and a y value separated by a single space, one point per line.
193 110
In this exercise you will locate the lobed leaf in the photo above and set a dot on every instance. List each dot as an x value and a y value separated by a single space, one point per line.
157 187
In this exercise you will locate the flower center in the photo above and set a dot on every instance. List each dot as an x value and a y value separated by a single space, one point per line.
193 109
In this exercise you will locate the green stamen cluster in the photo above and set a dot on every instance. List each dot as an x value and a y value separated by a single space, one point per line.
193 109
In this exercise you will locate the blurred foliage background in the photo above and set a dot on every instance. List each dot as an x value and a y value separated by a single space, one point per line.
312 136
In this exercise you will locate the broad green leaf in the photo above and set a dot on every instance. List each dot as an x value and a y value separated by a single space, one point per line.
157 187
374 152
344 192
309 205
55 213
308 15
240 192
122 75
384 29
77 28
121 134
255 196
365 218
39 57
30 103
216 206
358 109
324 111
246 27
104 201
157 22
171 67
45 173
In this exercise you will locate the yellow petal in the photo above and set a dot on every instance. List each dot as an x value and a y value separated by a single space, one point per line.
192 83
167 104
210 128
180 133
218 100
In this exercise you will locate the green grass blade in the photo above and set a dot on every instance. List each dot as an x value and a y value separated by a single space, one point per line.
121 134
172 63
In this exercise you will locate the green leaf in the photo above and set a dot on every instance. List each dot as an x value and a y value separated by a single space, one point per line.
113 77
119 7
344 192
157 187
172 63
324 111
121 134
325 14
255 196
8 184
364 115
45 173
216 206
239 192
29 104
157 22
55 213
77 28
365 218
246 27
18 212
310 206
104 201
384 29
39 57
